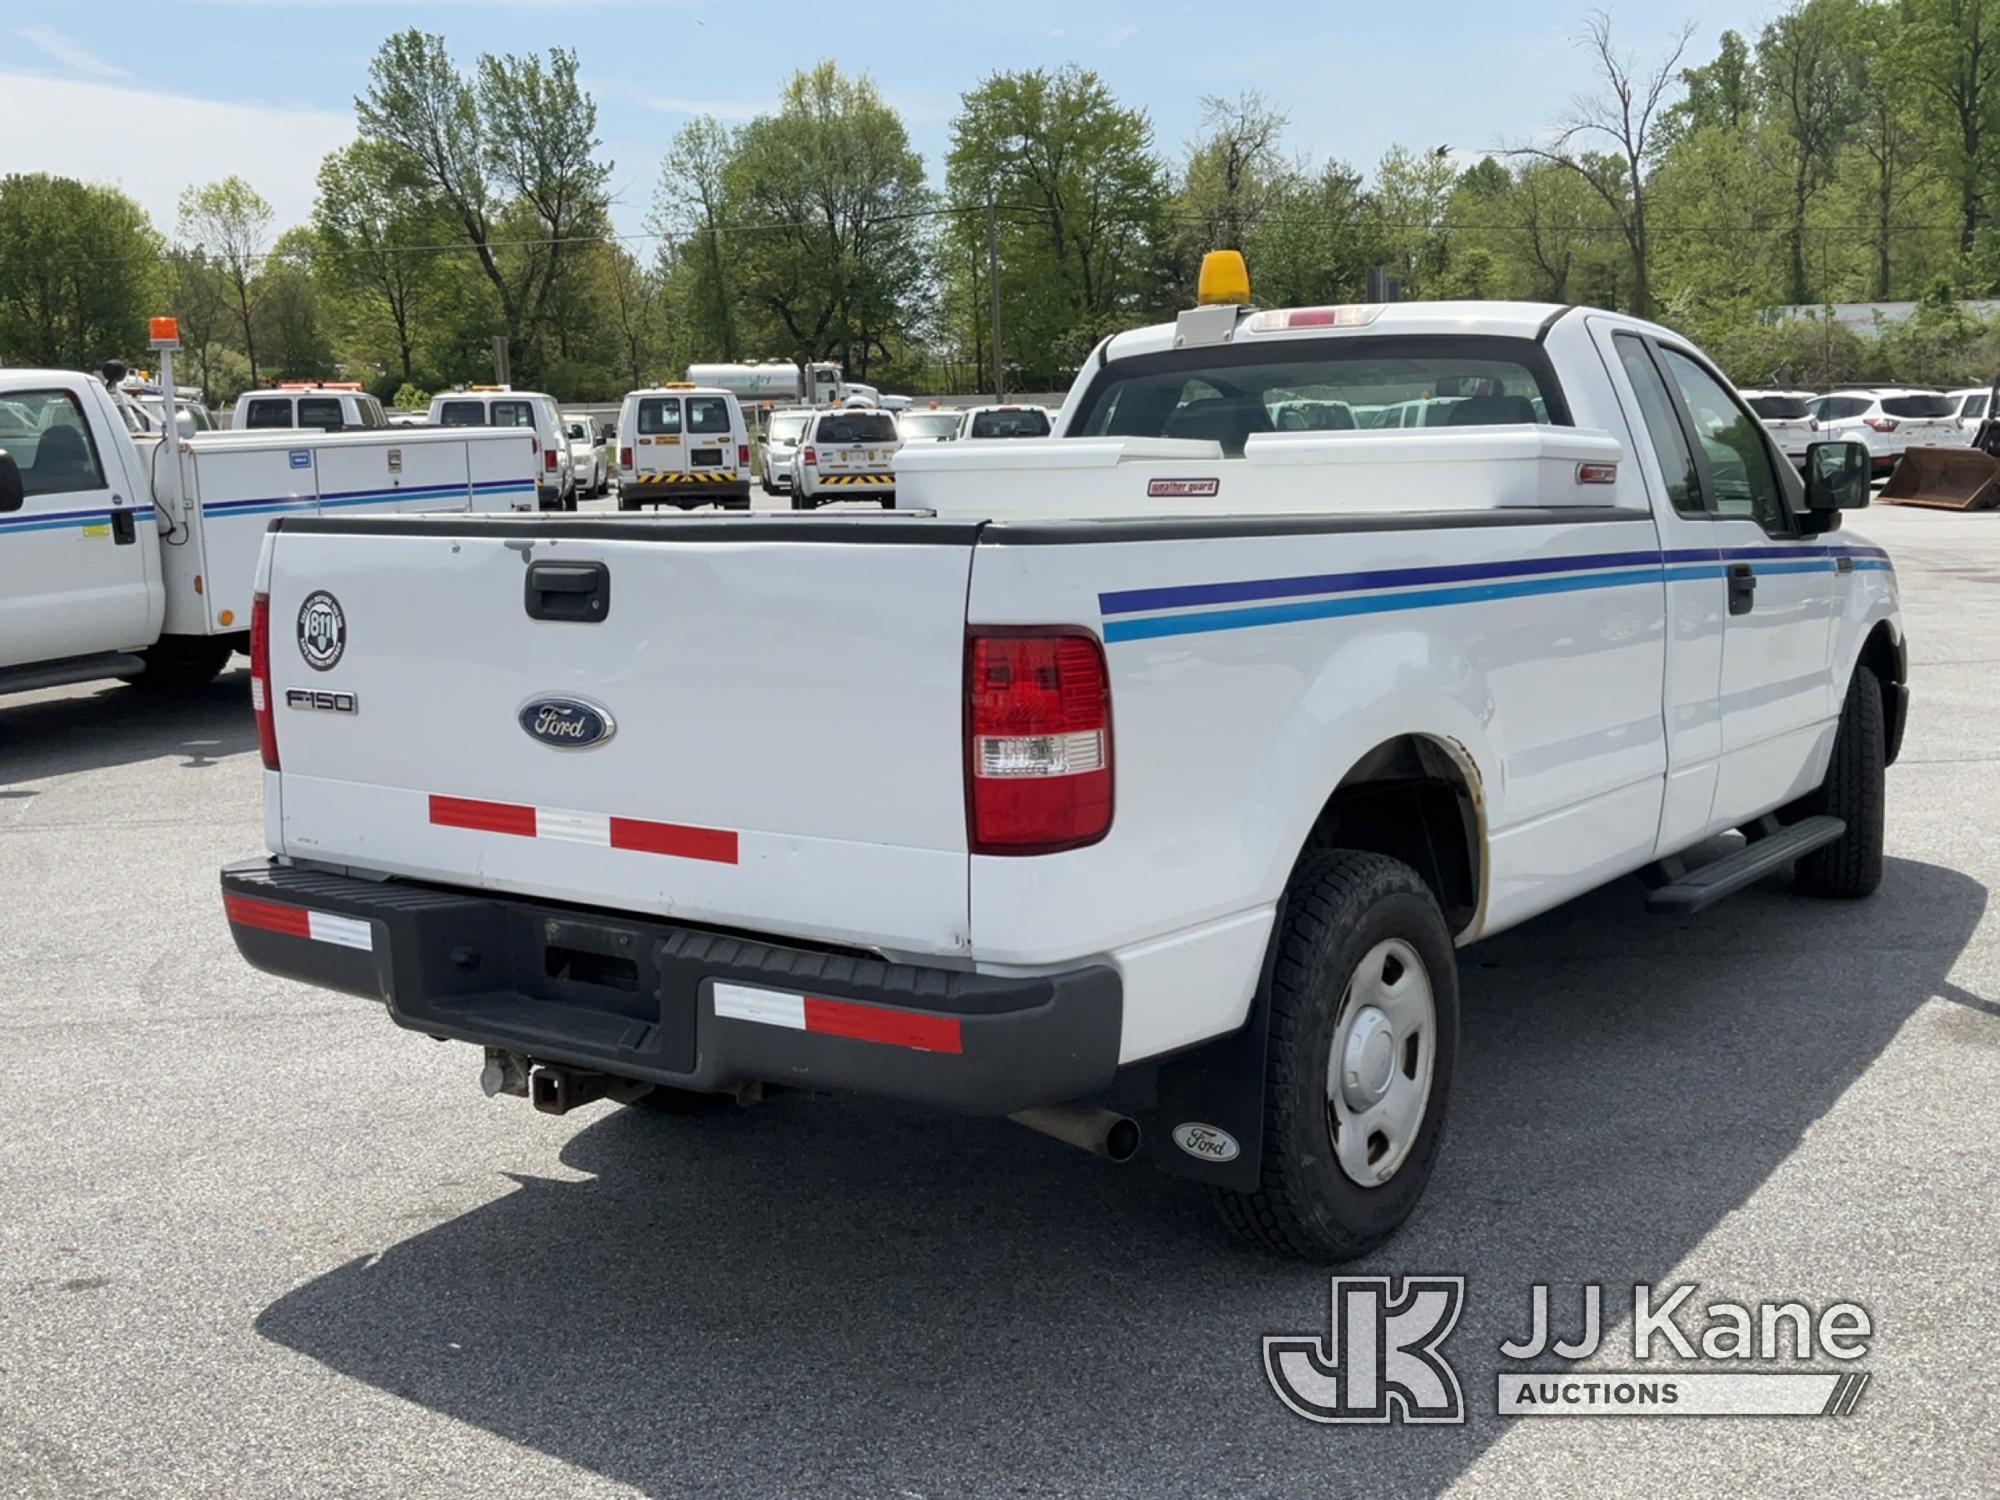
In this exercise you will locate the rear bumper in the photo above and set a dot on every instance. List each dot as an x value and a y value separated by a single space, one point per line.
682 1006
684 491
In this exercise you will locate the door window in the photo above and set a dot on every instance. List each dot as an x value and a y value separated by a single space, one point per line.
1742 482
45 433
1663 427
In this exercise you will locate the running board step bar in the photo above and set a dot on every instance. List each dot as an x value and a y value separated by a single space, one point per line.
1772 847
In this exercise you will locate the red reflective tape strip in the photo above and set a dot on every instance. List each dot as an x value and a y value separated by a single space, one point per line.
488 817
292 921
872 1023
717 845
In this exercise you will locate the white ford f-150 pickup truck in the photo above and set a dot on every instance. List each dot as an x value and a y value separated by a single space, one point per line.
1176 753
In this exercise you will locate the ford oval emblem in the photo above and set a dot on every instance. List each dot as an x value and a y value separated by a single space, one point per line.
1206 1142
567 723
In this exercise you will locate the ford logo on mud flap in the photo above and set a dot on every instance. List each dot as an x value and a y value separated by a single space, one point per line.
567 723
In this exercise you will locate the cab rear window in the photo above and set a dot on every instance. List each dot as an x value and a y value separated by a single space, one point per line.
660 416
1028 422
856 427
462 414
513 414
271 411
1229 395
321 411
708 414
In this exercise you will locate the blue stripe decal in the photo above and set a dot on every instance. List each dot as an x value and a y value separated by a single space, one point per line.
67 520
1134 601
1367 604
1522 578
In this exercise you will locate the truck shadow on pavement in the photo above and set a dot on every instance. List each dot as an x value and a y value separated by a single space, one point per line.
116 725
839 1298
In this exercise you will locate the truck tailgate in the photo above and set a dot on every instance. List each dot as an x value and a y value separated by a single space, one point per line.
784 703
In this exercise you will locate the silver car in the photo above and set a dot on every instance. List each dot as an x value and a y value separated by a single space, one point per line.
781 441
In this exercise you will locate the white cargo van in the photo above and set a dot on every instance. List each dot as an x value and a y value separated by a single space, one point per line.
331 408
683 445
502 406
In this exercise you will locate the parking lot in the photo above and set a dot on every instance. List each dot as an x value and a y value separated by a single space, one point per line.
259 1241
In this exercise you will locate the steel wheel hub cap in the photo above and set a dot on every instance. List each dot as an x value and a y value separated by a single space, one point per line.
1378 1071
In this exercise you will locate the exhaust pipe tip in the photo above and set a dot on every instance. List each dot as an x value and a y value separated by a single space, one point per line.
1101 1132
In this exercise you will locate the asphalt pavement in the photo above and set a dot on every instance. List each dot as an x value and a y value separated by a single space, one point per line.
258 1241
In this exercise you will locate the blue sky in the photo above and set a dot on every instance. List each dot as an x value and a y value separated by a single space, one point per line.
156 96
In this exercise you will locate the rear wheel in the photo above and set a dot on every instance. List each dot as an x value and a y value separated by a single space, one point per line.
1364 1036
180 663
1853 791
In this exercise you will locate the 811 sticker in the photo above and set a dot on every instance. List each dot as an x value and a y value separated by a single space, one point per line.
322 631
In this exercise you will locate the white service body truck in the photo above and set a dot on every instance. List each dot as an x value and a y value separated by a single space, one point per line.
107 569
1177 752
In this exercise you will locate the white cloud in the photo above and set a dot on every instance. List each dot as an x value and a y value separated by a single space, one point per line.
1121 36
152 145
73 53
722 109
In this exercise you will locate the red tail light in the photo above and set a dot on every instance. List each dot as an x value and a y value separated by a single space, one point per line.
624 458
812 459
1038 741
260 680
743 455
549 460
1881 424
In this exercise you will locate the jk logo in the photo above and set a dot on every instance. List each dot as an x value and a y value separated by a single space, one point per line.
1379 1362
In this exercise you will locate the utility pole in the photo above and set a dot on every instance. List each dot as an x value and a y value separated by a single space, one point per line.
501 374
993 284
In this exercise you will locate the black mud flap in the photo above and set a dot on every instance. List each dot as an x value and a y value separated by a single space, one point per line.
1208 1124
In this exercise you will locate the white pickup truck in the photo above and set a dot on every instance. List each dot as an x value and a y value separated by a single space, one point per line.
1171 757
108 568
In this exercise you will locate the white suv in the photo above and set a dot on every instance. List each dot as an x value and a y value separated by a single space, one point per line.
848 453
1969 408
499 406
1888 420
1787 416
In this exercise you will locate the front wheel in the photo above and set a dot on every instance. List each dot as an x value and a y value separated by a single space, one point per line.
1363 1039
1854 791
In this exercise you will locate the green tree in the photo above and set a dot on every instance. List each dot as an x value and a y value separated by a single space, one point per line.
1957 45
76 271
1315 240
514 148
231 223
688 214
1079 189
291 327
830 199
378 226
1721 94
1808 79
198 295
1412 197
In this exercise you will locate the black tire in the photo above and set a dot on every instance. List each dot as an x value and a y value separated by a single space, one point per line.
1851 866
625 502
801 502
180 664
1340 904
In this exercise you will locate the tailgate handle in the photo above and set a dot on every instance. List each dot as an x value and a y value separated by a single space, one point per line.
569 591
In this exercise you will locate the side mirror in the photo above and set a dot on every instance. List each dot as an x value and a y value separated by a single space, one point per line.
13 495
1837 477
